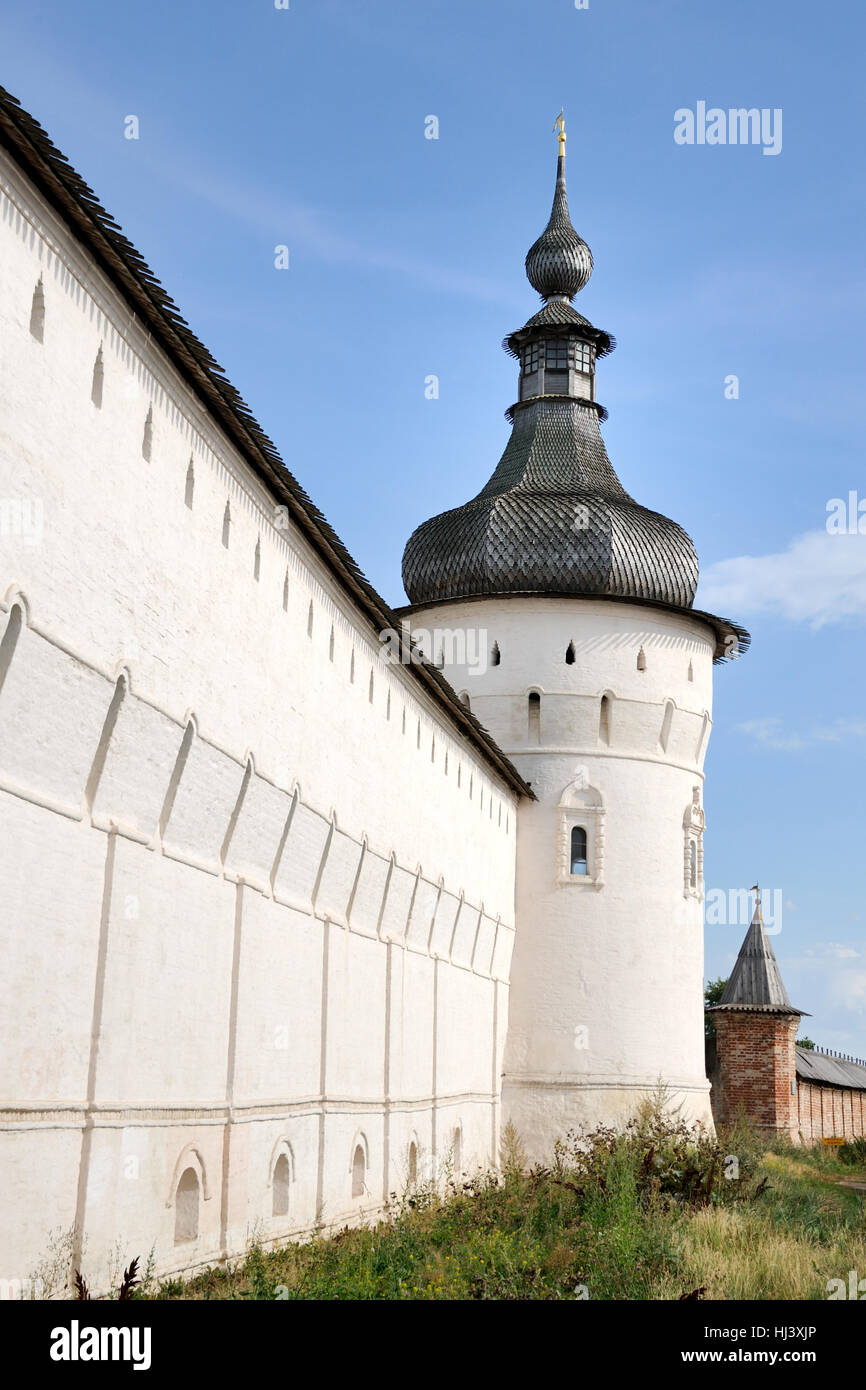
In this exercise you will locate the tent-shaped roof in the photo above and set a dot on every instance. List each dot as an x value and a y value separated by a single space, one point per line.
755 982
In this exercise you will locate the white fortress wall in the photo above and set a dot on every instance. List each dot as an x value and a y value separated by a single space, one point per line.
250 908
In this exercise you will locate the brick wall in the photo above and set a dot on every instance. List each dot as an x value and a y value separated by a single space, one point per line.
830 1110
751 1063
755 1072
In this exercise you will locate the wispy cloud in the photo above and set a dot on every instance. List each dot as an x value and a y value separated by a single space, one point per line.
772 733
819 579
307 230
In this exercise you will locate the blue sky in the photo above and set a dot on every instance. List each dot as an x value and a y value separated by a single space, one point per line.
305 127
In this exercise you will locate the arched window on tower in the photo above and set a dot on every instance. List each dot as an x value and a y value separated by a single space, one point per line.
495 655
641 660
604 719
667 720
534 717
186 1207
189 490
569 654
693 864
578 850
413 1163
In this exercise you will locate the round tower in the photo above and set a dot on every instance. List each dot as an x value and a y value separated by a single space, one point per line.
561 611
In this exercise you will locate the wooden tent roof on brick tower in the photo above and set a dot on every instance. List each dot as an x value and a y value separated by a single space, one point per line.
755 981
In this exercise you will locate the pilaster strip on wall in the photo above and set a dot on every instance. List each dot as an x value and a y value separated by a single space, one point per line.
323 1065
231 1064
93 1059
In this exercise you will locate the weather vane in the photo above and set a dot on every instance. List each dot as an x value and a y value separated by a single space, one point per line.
756 890
559 125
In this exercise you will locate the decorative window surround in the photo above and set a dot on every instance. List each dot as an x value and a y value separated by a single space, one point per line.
580 804
694 823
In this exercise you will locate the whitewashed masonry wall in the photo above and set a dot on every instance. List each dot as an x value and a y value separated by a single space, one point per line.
258 891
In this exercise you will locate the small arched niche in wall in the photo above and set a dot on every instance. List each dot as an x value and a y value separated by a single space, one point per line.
457 1149
97 380
37 312
281 1183
359 1171
186 1206
147 435
569 654
580 850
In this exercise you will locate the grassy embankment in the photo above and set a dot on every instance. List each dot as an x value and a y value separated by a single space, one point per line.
650 1213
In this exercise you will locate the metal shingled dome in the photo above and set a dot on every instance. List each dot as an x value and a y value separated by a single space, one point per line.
559 262
554 518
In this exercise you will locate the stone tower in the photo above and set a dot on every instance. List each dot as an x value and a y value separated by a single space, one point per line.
755 1068
595 676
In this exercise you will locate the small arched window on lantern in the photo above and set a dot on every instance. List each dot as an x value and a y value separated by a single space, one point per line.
693 864
578 850
582 357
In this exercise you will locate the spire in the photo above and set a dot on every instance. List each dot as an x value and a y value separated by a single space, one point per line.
755 981
554 517
559 263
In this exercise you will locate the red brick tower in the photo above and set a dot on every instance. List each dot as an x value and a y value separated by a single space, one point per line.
756 1025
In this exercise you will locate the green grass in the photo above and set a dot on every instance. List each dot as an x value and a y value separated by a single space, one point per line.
649 1213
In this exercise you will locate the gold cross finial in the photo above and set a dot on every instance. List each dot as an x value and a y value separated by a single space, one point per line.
559 127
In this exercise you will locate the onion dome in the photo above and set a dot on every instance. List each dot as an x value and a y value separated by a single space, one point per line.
554 518
559 262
